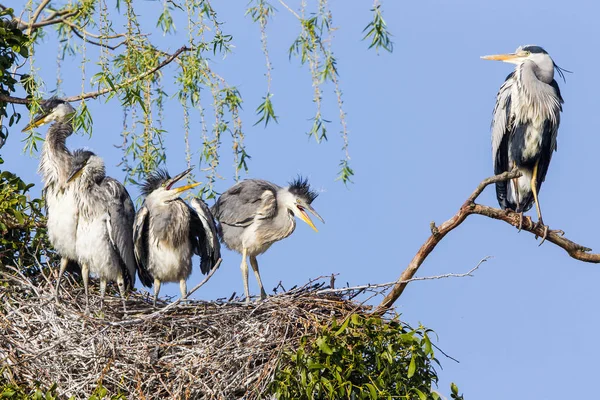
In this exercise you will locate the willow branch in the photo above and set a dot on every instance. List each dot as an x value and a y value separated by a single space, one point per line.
556 237
168 60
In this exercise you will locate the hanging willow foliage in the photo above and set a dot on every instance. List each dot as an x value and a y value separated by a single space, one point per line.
120 60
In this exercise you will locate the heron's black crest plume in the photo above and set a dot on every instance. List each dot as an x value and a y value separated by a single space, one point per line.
561 72
80 156
154 181
300 188
534 49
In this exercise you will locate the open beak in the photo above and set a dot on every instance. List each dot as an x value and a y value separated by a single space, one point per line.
513 58
178 178
304 216
39 120
75 174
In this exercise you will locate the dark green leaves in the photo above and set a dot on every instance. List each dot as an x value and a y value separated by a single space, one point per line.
377 32
363 357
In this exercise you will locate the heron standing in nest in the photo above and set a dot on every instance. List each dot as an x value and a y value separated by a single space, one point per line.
54 168
254 214
168 232
105 227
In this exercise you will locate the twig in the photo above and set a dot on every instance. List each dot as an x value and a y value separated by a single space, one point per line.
390 284
574 250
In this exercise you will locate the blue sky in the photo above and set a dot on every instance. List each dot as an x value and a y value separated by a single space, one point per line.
420 143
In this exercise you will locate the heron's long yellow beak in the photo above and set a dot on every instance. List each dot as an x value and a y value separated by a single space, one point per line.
513 58
75 174
304 217
187 187
40 120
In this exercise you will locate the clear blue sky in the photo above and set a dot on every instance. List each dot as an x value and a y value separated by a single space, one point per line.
420 142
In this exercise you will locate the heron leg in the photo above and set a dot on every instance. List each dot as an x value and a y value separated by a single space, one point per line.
156 291
121 285
534 189
244 268
254 264
183 288
85 274
63 267
102 291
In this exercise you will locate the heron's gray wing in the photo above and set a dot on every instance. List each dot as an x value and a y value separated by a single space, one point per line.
501 127
549 134
121 213
209 249
246 200
140 240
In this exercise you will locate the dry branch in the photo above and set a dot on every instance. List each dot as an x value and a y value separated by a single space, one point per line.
575 250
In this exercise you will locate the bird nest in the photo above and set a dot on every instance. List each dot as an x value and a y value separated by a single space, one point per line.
194 349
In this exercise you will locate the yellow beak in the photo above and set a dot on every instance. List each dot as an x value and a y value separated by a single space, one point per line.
304 217
41 120
187 187
75 174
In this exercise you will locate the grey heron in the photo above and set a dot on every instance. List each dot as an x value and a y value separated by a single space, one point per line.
54 168
167 232
525 126
254 214
105 227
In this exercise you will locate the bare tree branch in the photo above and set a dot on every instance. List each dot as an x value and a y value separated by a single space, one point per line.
37 13
574 250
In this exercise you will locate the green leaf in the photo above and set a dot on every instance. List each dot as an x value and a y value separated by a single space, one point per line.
412 367
323 346
454 388
421 395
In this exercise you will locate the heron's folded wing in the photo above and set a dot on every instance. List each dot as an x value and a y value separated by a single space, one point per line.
549 135
240 204
502 125
140 242
121 214
209 248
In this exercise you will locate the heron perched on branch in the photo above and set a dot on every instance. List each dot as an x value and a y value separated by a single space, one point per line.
167 232
524 127
254 214
105 226
54 168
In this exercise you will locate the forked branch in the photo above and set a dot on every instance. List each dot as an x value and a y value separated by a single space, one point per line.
575 250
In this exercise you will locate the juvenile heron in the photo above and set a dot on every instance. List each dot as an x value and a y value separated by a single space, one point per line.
168 232
254 214
54 168
105 226
525 126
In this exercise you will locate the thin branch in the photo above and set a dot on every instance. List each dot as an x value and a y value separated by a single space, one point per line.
574 250
168 60
79 35
390 284
290 10
37 13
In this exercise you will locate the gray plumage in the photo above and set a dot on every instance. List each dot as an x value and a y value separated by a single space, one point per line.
167 232
54 168
254 214
525 126
105 227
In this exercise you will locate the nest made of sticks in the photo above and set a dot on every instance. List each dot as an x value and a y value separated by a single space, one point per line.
193 349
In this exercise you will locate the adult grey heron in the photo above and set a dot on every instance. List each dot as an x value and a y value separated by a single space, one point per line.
167 232
54 168
254 214
525 126
105 226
